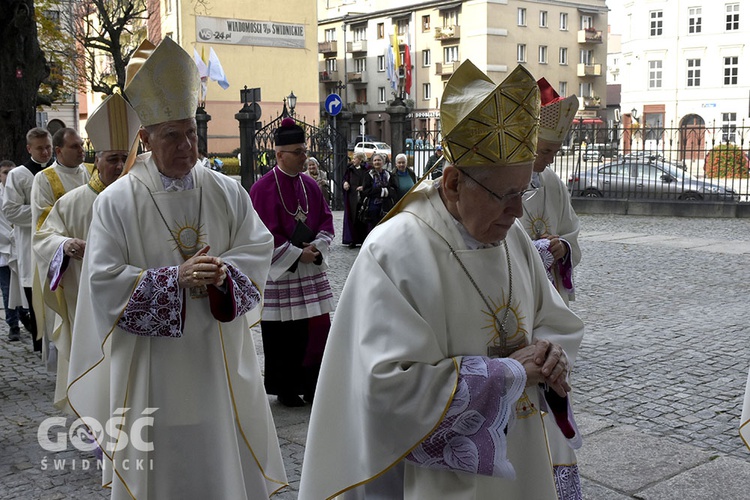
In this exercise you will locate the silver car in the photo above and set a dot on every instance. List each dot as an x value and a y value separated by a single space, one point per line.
645 178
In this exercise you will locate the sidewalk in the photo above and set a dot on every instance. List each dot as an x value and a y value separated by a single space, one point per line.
659 378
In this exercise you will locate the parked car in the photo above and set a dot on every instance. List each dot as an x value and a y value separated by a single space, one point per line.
368 148
645 178
597 152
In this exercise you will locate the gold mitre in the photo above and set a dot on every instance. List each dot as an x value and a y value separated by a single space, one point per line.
113 126
165 86
486 124
557 114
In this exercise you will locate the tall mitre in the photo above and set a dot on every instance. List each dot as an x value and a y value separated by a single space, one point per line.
113 126
557 113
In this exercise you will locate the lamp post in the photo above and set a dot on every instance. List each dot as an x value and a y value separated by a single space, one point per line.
634 114
291 99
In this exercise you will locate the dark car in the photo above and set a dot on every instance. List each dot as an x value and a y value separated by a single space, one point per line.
644 177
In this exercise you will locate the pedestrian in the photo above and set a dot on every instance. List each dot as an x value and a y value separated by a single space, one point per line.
354 230
438 388
7 258
313 170
60 243
17 209
548 216
174 268
298 295
378 192
403 177
435 160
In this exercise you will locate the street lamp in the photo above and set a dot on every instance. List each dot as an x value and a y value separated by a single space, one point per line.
634 114
291 99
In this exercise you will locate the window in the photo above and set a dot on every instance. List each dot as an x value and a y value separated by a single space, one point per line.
731 68
586 57
563 21
587 22
381 94
331 65
586 89
733 16
694 20
450 17
361 96
693 72
656 22
542 18
426 92
381 63
562 89
728 127
563 56
52 15
426 58
542 54
360 65
521 52
425 23
450 54
403 26
654 74
381 31
330 35
521 17
359 33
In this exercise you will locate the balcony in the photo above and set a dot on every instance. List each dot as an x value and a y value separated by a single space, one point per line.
328 76
356 77
592 102
446 69
590 35
360 46
589 69
358 108
329 47
448 32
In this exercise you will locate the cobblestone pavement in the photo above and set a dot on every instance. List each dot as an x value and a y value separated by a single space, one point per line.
664 301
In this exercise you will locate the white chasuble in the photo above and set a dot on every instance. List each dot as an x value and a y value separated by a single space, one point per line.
69 218
549 211
210 426
390 371
745 418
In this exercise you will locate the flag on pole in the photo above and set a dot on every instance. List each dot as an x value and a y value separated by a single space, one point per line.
407 66
203 72
394 46
390 69
215 71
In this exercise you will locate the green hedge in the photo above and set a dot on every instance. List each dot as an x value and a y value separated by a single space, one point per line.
726 161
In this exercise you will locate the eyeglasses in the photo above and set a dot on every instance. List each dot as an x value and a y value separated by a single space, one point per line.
525 194
298 152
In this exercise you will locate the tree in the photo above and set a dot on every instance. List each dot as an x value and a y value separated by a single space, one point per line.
109 31
22 70
54 26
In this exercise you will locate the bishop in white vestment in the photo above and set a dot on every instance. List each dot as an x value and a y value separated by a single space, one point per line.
438 390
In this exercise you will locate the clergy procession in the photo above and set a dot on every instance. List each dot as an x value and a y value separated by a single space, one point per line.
140 280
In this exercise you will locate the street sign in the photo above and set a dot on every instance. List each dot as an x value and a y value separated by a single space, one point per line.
333 104
362 122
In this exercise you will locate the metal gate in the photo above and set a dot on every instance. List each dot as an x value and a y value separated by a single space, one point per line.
326 144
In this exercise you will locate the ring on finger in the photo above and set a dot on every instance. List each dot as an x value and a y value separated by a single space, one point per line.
195 275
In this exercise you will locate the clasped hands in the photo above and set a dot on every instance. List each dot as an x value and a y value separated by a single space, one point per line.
557 247
545 363
202 269
310 253
74 248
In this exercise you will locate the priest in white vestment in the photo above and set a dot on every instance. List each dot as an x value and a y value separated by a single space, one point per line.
17 209
60 243
548 216
437 385
174 270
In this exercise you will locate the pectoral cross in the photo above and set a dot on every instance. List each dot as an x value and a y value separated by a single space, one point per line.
299 215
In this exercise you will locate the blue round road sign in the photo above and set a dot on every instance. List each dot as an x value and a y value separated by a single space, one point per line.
334 104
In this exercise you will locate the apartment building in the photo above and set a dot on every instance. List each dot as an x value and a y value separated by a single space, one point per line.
562 41
684 65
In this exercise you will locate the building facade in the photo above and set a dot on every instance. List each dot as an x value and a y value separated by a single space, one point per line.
684 65
564 42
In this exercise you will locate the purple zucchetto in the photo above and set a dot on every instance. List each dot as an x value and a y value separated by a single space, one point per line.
289 133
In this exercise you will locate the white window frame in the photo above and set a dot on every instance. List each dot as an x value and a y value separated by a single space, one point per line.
693 73
655 73
563 55
521 52
426 58
543 53
731 70
587 21
426 92
562 89
330 35
586 89
521 18
695 20
331 65
381 64
381 94
563 21
656 22
359 33
732 17
360 64
728 127
450 54
543 19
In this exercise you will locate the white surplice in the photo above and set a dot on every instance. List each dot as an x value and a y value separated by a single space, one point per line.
549 211
70 217
745 418
212 431
407 315
17 209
